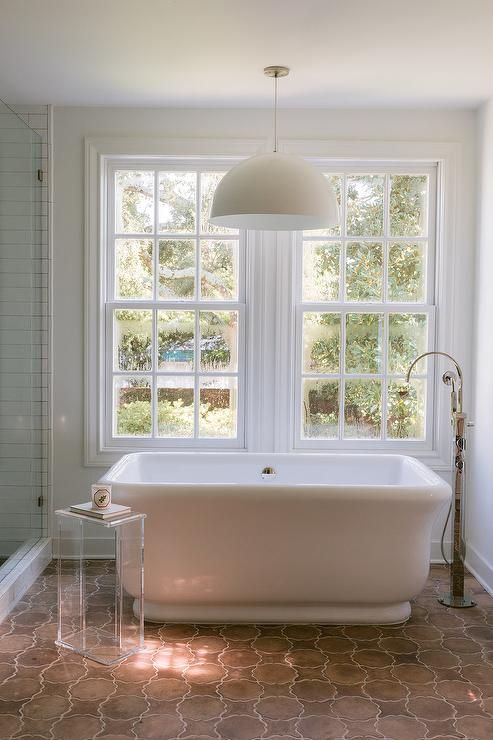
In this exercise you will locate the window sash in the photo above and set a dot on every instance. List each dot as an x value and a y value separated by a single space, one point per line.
385 376
196 304
341 306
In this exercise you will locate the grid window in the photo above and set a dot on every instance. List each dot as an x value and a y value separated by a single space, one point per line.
365 310
174 309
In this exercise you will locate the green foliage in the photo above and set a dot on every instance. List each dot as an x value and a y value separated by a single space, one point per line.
175 419
405 412
134 349
406 272
363 408
323 333
134 269
216 356
176 268
135 195
322 409
177 192
364 342
321 271
218 276
365 205
407 339
134 419
364 263
407 209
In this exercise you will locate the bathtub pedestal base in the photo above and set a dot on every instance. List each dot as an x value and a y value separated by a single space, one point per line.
279 613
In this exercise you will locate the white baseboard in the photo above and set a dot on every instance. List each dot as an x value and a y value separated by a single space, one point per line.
436 557
480 568
22 576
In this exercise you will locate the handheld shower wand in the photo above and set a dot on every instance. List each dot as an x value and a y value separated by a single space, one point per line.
456 597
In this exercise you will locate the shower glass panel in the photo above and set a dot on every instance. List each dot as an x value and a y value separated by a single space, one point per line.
22 332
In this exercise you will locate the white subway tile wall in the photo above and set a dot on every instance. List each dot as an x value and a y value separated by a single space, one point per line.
24 325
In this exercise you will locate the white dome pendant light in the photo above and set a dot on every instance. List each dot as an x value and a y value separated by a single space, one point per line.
275 191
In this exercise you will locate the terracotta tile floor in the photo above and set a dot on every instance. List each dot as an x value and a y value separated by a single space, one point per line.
429 678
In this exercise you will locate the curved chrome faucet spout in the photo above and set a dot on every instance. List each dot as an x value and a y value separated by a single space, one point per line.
447 377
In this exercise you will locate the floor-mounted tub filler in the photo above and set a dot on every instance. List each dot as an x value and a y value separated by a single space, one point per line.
243 537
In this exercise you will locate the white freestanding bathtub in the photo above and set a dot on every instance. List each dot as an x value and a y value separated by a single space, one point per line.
334 538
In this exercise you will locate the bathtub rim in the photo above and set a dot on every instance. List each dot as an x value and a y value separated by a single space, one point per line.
429 479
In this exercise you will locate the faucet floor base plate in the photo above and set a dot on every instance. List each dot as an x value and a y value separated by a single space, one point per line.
456 602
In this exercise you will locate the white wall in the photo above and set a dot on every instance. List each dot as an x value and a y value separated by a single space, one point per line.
480 490
71 125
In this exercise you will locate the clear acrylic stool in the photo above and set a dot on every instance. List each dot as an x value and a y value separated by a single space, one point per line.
100 602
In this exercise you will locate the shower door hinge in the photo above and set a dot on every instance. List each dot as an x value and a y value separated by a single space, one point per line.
40 501
40 175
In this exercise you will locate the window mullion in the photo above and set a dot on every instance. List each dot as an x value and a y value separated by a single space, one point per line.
342 299
383 308
386 377
196 382
342 371
385 249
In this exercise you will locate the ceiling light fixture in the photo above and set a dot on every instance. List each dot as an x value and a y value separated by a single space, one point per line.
275 191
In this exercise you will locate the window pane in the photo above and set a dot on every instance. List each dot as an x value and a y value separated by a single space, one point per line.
175 407
406 410
133 269
362 409
176 340
218 340
408 205
218 407
408 336
407 273
208 183
320 412
134 201
133 334
335 181
321 268
364 271
177 201
321 342
219 270
364 214
364 341
176 269
132 407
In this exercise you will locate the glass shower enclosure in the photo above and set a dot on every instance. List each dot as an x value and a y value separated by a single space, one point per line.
23 372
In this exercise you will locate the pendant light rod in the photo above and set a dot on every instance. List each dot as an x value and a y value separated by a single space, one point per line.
276 71
275 113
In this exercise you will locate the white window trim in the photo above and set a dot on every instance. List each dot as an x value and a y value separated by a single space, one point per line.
269 422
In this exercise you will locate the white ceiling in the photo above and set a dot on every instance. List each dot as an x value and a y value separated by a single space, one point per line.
208 53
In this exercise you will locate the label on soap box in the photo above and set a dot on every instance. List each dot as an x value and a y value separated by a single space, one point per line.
100 496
